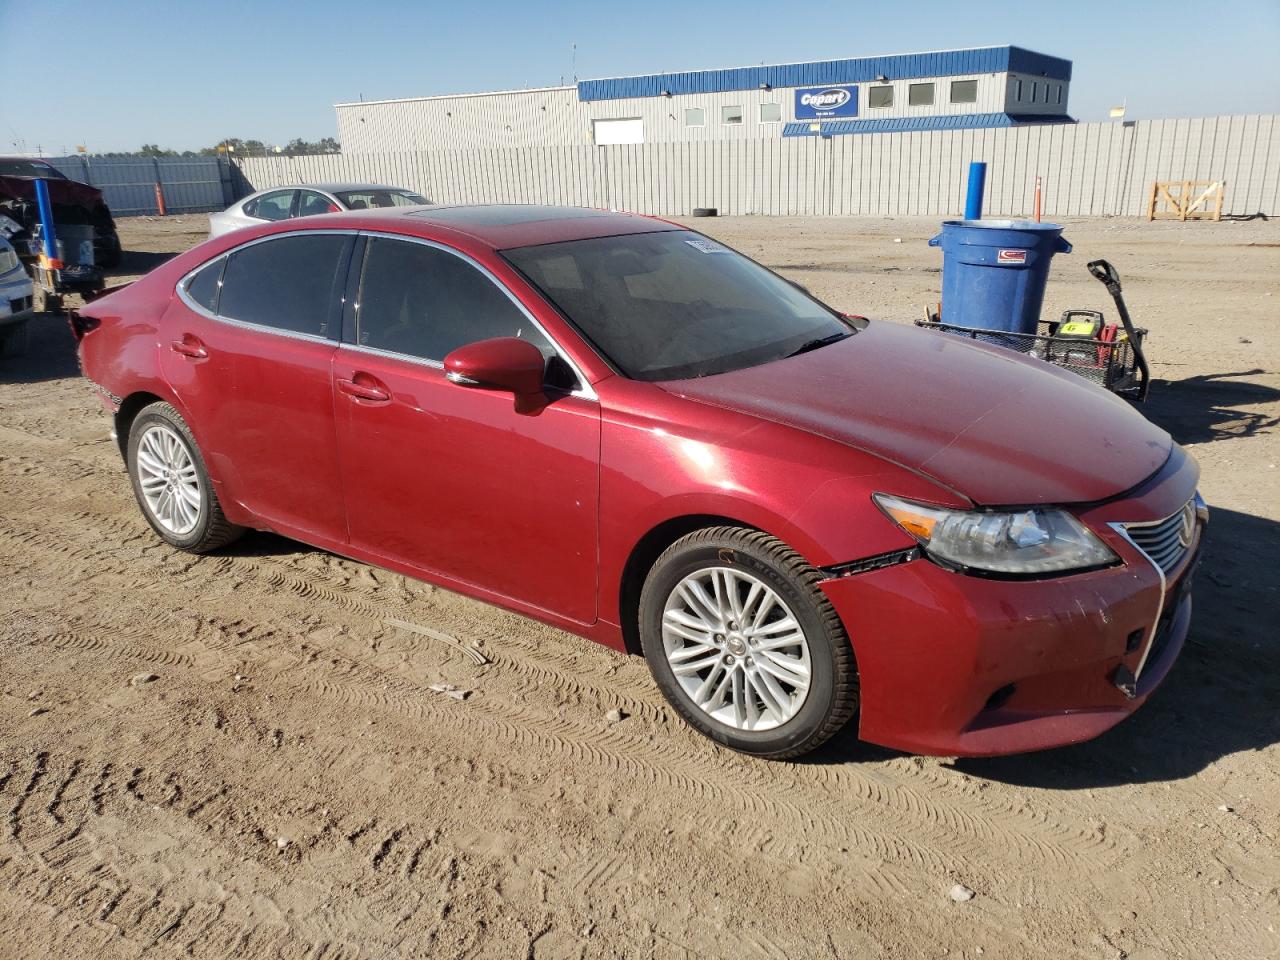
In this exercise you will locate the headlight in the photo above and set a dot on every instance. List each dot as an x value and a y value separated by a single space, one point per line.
1021 542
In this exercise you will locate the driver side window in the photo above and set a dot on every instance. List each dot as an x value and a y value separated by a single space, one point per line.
424 302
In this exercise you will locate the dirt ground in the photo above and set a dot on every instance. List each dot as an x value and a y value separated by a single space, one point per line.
241 755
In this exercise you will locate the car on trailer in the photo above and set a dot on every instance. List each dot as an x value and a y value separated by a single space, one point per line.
75 204
626 429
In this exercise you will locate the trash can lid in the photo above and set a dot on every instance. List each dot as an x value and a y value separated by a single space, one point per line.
1003 224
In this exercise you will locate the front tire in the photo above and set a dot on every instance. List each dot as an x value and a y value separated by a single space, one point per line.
744 644
172 485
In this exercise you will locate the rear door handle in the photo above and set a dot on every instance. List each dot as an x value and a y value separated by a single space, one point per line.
361 388
190 346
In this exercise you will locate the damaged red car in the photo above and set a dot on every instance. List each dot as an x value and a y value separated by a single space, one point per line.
626 429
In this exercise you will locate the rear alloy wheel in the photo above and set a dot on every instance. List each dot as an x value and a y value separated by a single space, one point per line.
744 644
172 485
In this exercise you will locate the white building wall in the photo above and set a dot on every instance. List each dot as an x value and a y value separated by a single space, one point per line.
555 117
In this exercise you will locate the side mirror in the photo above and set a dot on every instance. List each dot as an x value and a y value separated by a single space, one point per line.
503 363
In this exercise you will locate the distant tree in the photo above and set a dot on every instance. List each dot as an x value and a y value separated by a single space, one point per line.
154 150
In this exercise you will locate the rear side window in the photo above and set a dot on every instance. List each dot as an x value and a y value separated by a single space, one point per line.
290 283
424 302
203 287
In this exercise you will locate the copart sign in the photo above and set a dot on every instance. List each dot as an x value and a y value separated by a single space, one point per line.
819 103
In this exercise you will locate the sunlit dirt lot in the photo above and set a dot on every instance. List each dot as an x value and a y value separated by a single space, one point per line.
240 755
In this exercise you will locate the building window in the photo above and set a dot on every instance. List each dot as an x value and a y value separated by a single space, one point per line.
695 117
1017 90
880 97
770 113
920 94
964 91
731 114
1059 100
1035 91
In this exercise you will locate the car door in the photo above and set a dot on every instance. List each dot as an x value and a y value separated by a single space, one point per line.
247 347
453 480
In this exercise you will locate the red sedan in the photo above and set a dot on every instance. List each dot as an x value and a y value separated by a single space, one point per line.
628 430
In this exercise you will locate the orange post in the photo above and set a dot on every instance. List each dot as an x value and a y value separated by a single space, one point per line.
1037 198
160 199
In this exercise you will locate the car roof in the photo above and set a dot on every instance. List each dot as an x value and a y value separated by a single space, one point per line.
333 187
501 226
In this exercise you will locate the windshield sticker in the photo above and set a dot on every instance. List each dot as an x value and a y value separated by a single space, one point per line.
706 246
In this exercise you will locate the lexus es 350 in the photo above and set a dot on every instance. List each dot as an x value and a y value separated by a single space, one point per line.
626 429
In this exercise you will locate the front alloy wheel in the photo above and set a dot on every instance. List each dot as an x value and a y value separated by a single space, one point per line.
745 645
736 649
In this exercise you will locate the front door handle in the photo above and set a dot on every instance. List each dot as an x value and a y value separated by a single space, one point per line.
363 387
189 346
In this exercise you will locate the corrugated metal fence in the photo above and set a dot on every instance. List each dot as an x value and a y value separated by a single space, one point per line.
1088 169
128 184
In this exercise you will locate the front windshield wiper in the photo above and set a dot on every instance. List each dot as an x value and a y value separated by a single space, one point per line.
815 344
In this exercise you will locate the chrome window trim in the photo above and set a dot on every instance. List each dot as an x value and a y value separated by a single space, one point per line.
185 297
1123 529
585 390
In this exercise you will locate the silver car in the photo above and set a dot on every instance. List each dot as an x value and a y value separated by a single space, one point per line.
285 203
15 301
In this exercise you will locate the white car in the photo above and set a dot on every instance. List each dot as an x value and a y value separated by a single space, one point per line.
286 203
16 302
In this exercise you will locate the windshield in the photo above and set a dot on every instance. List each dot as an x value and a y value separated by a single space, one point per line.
368 199
665 306
29 168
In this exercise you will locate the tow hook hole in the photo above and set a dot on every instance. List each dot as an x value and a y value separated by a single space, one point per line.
1000 697
1133 642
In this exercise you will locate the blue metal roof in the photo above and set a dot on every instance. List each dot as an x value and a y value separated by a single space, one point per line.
944 63
956 121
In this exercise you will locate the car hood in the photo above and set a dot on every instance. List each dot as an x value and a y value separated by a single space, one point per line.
992 425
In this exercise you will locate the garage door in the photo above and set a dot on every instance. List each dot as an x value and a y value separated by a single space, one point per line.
619 131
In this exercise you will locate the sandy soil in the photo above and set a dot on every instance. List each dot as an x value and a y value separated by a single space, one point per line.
241 755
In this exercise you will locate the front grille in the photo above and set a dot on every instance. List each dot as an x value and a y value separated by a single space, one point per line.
1167 541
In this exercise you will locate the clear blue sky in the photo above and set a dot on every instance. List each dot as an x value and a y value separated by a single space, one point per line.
186 75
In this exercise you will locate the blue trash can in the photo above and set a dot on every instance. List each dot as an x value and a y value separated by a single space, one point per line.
994 271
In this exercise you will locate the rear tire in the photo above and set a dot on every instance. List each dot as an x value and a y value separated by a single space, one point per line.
172 485
764 664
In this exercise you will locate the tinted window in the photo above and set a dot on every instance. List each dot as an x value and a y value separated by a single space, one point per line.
880 97
203 287
424 302
920 94
668 305
271 206
311 203
291 283
964 91
367 199
731 114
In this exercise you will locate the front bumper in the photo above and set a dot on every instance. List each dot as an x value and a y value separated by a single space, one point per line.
957 665
16 299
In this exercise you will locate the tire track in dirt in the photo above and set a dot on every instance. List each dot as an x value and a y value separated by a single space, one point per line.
965 835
